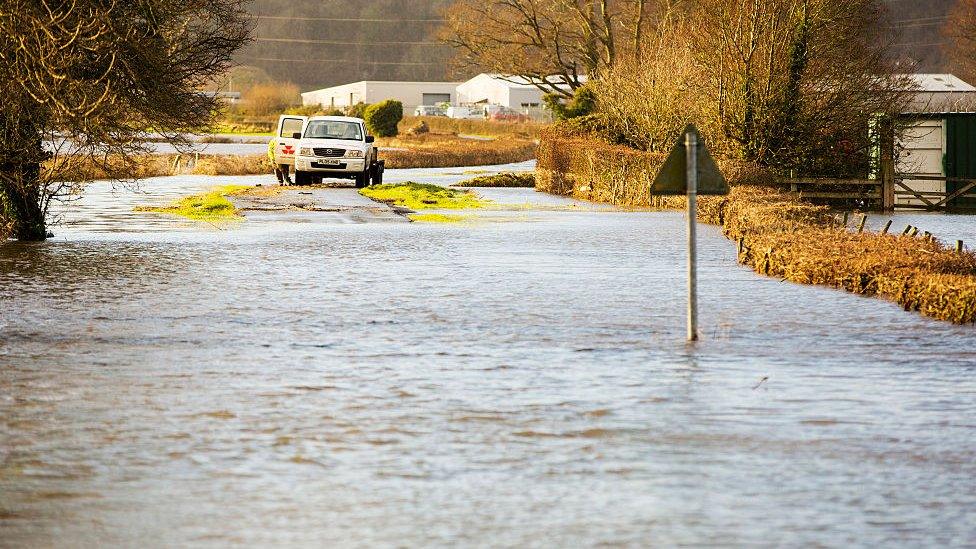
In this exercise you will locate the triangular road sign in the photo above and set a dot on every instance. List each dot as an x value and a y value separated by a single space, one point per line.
672 179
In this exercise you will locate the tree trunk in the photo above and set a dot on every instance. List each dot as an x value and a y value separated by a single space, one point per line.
20 202
21 188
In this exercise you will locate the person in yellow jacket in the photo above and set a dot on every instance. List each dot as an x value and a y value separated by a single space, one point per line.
274 165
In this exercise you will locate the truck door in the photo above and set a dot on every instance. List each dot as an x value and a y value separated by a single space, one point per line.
285 143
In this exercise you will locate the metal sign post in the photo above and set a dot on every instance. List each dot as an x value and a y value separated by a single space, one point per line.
691 145
690 171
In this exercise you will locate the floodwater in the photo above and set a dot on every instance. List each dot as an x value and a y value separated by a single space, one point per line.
516 382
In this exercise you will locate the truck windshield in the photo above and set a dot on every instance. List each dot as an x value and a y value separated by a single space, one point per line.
334 129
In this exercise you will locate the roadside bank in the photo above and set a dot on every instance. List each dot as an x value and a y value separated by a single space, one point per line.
777 235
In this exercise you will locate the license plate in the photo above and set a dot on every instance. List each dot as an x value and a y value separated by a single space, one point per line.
330 162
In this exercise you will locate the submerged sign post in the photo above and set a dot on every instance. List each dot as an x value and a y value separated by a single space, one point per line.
690 170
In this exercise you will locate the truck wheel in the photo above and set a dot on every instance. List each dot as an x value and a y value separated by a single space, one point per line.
378 174
302 178
362 180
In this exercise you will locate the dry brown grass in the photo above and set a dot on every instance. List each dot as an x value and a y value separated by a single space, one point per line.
420 151
445 151
800 242
231 165
781 236
443 125
142 167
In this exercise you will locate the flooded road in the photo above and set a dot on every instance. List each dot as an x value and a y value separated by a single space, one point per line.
517 382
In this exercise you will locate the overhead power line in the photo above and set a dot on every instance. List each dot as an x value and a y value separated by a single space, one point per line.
346 20
341 43
920 44
350 61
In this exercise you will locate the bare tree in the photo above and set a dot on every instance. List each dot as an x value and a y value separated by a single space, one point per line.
86 79
552 43
792 84
960 29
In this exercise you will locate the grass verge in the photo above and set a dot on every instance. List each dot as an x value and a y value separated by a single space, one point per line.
508 180
788 239
212 206
420 196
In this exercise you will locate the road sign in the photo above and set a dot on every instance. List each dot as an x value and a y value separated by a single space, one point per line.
691 171
672 179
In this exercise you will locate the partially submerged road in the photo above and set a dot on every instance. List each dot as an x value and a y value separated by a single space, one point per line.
337 201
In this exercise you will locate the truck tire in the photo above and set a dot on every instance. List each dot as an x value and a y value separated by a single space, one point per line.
303 178
362 179
378 170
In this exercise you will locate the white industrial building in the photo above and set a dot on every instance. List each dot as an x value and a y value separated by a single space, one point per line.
513 92
411 94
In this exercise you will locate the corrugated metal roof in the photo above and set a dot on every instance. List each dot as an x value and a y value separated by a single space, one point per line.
941 94
940 83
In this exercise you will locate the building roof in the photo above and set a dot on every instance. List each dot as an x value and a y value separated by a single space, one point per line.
519 82
941 83
382 82
941 94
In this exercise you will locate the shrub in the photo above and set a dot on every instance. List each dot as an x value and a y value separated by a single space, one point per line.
382 118
583 103
358 110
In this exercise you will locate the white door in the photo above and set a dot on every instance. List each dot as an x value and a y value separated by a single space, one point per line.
921 151
285 141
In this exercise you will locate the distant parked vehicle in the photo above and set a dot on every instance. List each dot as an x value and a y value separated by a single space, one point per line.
465 112
507 114
429 110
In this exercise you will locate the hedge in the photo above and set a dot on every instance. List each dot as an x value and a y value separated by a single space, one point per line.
382 118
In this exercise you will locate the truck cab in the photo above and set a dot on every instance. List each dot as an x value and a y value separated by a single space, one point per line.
335 147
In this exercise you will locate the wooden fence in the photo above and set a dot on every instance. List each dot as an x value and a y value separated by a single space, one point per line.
882 194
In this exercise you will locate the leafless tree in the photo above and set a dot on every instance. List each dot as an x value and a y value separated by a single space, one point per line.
785 83
960 29
86 79
552 43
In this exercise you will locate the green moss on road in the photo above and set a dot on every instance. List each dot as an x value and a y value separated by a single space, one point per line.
210 206
419 196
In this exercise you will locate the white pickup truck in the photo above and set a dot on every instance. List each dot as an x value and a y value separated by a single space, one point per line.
321 147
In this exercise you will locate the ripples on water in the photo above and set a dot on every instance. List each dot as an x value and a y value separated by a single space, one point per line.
514 384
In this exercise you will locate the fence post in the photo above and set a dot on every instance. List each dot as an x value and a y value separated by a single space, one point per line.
887 146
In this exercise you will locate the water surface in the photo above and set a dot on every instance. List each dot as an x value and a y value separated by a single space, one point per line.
516 382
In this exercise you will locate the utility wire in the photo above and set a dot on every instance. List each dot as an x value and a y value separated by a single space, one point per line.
345 20
350 61
341 43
